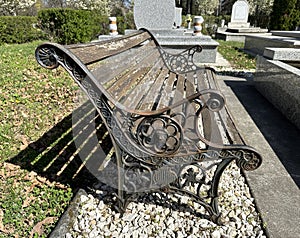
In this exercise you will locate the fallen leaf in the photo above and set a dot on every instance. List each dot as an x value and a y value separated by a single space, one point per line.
27 201
24 140
38 228
41 179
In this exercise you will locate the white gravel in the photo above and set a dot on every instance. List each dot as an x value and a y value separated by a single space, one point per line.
148 218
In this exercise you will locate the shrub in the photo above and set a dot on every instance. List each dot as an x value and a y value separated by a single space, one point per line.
19 29
125 22
68 26
285 15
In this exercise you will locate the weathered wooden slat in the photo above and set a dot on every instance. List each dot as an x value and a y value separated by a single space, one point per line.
190 108
129 81
179 95
201 80
96 51
190 83
167 92
120 88
152 97
209 119
135 98
111 68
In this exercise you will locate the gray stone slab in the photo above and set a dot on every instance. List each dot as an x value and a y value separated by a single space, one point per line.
177 44
237 24
247 30
240 37
154 14
284 54
257 43
280 84
185 40
295 34
276 194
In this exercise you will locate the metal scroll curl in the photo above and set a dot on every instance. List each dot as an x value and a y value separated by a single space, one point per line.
215 102
248 160
47 57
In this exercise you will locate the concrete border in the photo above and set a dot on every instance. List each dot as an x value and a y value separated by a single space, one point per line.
68 218
276 194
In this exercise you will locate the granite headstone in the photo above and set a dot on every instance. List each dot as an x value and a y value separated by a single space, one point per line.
154 14
178 17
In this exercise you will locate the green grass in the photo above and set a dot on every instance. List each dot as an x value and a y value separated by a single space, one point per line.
32 101
232 51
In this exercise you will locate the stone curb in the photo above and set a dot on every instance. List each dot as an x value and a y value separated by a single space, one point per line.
66 221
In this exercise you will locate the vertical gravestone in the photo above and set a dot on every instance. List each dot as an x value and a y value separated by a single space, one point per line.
154 14
178 17
239 15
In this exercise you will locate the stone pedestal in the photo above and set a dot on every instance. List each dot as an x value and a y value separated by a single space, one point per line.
164 20
177 40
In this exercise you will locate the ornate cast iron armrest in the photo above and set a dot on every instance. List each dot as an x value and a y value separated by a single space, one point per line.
182 62
178 63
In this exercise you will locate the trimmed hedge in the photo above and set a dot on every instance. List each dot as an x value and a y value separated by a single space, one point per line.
68 26
19 29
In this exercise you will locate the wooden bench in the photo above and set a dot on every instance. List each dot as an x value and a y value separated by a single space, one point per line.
167 120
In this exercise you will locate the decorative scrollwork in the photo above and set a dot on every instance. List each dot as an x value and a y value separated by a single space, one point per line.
183 62
160 135
246 157
215 102
47 57
248 160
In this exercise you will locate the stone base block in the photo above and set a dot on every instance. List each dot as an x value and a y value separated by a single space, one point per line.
238 24
283 54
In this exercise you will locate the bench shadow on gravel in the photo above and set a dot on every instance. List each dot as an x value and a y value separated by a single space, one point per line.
281 134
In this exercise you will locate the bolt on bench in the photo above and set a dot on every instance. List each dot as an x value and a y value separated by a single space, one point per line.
168 122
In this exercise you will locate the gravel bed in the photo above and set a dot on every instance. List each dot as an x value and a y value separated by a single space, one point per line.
153 216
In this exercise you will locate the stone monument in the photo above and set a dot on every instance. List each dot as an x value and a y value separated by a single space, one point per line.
161 17
154 14
238 27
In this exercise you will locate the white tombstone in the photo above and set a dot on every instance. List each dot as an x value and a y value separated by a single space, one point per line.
154 14
239 15
178 17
